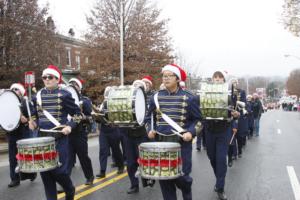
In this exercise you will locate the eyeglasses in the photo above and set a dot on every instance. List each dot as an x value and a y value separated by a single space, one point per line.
49 77
168 76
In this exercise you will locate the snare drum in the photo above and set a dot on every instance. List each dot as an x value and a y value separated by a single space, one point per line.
214 101
37 154
124 106
160 160
10 110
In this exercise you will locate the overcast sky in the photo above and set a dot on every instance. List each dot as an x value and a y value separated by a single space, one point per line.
243 37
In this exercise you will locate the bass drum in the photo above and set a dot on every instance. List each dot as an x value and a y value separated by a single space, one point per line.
214 101
74 93
10 108
124 106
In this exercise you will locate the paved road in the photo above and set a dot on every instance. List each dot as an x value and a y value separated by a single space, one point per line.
268 170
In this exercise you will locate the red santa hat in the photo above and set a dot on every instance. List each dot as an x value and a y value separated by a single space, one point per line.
53 70
20 87
79 82
147 79
180 73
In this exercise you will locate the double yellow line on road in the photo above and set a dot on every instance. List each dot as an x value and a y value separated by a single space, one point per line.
91 189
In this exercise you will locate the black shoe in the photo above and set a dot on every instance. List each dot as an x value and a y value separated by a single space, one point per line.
120 170
222 195
101 175
70 196
240 155
215 189
13 184
198 149
113 165
90 181
151 183
133 190
230 163
33 177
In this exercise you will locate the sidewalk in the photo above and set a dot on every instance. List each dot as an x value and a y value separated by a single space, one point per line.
4 146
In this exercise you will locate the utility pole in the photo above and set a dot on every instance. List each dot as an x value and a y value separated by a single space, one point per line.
121 44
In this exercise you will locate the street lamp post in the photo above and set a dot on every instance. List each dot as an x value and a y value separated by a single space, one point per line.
121 44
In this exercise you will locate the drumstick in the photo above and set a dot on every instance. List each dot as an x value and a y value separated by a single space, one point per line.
231 139
51 130
177 133
152 122
27 106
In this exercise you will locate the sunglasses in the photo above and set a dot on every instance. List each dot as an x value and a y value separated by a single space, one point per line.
49 77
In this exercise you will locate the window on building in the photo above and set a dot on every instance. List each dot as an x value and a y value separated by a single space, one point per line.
58 59
86 60
77 59
69 57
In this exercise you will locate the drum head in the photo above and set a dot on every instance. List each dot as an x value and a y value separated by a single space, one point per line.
140 106
73 92
39 140
10 110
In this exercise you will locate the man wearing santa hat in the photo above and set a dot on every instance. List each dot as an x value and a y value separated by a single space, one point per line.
58 103
79 136
217 138
20 133
183 108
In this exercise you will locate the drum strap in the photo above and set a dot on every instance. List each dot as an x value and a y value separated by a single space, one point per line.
170 121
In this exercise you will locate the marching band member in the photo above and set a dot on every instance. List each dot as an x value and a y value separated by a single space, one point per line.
58 103
133 138
109 137
242 131
79 137
182 107
217 140
20 133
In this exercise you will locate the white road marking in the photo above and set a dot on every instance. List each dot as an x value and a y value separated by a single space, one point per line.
294 181
279 131
277 120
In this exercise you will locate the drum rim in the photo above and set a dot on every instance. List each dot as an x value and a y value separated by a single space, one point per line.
35 141
39 170
18 124
160 144
159 177
134 105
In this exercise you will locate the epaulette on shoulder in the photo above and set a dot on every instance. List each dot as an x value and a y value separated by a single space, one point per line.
189 92
85 97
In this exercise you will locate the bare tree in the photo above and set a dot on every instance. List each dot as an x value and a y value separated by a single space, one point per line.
146 43
26 42
293 83
291 16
